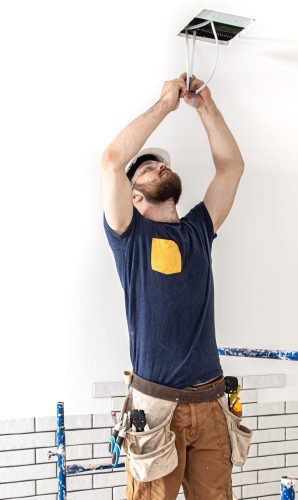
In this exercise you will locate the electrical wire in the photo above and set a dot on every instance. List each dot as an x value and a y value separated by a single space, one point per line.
189 67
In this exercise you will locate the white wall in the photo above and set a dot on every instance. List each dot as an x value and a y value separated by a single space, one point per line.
69 84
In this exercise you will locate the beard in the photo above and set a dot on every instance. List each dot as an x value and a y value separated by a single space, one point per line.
167 186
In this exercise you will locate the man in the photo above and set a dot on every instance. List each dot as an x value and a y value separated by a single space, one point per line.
164 264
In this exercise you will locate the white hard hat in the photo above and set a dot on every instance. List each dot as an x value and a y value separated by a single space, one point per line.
144 155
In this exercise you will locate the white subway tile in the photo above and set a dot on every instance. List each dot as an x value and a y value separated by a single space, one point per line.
26 472
109 479
103 420
265 476
275 447
103 494
21 441
262 381
253 450
259 490
250 409
291 406
278 421
292 459
261 436
292 433
87 436
79 482
108 389
70 422
80 452
267 462
237 491
16 425
250 422
119 493
244 478
248 396
9 458
11 490
101 450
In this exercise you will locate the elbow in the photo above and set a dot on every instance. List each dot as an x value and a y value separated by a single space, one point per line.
241 168
108 159
238 167
111 160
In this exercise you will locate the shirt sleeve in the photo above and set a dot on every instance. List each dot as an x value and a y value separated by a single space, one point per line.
200 216
119 241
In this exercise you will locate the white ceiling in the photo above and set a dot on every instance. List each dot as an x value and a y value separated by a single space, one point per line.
91 67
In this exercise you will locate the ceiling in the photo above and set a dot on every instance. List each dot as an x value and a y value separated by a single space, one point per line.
254 86
91 68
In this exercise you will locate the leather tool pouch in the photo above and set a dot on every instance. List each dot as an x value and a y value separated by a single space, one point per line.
240 435
152 454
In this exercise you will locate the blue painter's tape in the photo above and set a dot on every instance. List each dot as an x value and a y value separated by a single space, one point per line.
257 353
77 468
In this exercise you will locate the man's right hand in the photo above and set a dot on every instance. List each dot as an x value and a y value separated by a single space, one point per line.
173 91
200 100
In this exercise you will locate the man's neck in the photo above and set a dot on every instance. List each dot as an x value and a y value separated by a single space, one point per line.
163 212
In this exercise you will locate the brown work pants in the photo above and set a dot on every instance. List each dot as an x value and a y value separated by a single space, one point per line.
204 457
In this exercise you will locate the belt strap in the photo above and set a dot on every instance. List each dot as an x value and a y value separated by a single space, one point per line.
213 391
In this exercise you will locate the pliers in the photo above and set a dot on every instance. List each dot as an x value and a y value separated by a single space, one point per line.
121 433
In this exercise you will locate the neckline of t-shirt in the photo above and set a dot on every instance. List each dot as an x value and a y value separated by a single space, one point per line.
164 222
161 221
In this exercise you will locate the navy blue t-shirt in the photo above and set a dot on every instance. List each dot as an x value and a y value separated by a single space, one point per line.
166 272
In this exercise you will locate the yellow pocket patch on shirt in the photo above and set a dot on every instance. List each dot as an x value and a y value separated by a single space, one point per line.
165 256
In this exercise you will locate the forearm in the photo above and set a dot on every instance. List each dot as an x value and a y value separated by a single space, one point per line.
225 151
131 139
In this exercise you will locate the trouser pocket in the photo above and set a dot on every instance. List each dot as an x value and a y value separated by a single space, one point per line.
240 435
152 453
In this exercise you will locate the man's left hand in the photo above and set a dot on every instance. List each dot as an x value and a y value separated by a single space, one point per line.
202 99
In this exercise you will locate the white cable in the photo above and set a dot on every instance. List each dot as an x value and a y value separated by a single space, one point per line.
189 70
190 67
187 62
193 54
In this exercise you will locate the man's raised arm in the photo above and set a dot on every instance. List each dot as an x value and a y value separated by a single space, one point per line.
117 192
228 161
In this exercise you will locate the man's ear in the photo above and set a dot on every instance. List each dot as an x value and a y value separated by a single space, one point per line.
137 196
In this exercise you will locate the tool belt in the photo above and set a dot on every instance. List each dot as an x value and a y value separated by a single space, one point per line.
213 390
152 453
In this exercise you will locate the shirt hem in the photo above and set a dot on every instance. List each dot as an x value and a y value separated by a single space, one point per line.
205 379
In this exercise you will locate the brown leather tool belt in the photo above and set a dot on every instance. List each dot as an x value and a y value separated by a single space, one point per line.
206 392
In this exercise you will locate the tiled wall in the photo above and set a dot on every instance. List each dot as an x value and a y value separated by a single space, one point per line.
25 471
